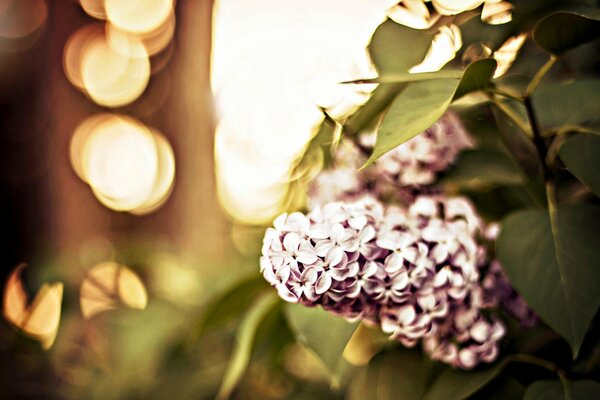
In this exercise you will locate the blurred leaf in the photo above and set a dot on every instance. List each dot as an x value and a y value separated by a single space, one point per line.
415 109
454 384
482 169
395 48
244 341
573 103
554 390
565 30
581 154
231 302
552 261
397 374
477 76
324 333
501 388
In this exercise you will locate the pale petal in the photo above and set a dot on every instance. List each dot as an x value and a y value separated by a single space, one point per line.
309 275
291 242
286 294
323 283
323 247
394 263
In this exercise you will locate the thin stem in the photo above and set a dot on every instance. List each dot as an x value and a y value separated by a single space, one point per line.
533 360
506 94
538 76
538 140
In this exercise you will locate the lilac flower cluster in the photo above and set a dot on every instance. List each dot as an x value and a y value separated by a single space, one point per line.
416 271
400 173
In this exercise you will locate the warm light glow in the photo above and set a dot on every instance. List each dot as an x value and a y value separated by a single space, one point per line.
75 47
112 76
109 284
443 49
94 8
138 16
154 41
414 14
497 12
128 166
507 53
294 53
39 320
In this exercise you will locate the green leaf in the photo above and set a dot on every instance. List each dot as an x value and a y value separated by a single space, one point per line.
415 109
380 99
407 77
230 303
421 103
395 48
581 155
454 384
244 341
565 30
322 332
555 390
552 261
481 169
397 374
477 76
573 103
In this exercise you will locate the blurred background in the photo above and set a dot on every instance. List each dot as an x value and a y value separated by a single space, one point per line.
109 190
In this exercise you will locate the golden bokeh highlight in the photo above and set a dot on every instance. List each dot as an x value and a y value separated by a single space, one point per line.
129 166
39 320
114 77
138 16
94 8
154 41
75 47
107 285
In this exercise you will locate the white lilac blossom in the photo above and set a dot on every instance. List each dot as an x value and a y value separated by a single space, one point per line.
420 272
400 174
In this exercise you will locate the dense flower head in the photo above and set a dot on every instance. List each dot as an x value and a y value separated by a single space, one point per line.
420 271
400 174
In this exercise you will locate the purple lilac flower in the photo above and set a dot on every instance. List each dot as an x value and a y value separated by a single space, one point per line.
401 174
419 272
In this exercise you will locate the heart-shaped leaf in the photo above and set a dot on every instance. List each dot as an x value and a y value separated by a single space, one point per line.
322 332
565 30
556 390
581 153
551 258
